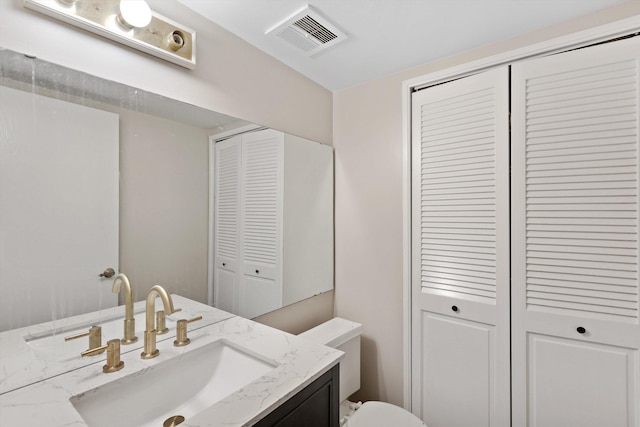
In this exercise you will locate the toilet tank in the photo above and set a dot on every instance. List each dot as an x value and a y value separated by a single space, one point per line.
343 335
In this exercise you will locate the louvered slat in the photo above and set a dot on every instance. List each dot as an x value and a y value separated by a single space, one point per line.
227 192
582 191
458 195
260 203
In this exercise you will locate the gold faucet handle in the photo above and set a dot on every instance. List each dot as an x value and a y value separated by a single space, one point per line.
95 337
114 363
181 331
161 321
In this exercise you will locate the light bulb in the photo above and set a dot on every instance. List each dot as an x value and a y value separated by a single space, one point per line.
134 13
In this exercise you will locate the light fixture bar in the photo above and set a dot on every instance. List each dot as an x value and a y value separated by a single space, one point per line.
162 37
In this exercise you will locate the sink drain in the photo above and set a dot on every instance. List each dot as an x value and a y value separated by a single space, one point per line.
173 421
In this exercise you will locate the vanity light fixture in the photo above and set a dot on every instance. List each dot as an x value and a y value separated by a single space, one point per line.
130 22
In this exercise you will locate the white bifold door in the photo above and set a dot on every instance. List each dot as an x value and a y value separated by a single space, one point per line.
227 223
576 334
262 187
248 223
460 291
559 346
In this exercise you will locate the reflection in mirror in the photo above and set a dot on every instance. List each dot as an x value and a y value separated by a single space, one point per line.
97 175
273 221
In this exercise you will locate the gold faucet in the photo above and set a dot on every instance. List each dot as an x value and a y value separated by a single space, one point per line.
95 338
150 349
161 321
114 364
181 331
129 321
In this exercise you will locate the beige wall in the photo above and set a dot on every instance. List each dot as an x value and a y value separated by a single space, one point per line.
302 315
368 146
164 205
232 77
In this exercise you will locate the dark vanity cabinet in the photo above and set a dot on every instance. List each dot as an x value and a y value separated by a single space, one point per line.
317 405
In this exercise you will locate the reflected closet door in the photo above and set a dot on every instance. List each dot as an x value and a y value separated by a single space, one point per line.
575 309
261 212
460 284
227 223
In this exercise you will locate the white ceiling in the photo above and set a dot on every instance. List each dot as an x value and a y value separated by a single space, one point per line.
387 36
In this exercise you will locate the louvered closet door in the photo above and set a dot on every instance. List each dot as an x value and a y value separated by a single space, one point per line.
576 337
227 223
460 285
262 177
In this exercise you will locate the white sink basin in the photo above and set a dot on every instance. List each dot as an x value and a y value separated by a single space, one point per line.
183 385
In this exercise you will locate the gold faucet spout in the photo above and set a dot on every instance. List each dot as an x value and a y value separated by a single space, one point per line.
157 291
122 279
129 321
150 349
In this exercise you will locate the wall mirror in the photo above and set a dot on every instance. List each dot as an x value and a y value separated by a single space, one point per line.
158 225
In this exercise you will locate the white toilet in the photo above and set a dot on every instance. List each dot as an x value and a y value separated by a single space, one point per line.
345 335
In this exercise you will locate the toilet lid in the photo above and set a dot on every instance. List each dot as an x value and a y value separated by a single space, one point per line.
380 414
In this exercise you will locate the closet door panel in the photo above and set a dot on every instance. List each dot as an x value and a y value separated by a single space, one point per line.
578 383
459 356
575 237
260 296
262 178
227 223
225 287
461 250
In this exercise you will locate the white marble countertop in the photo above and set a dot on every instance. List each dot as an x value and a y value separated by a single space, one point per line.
21 363
299 362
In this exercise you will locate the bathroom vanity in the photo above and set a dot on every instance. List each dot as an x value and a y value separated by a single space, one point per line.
234 372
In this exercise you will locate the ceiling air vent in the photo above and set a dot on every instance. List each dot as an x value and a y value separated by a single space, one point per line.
308 31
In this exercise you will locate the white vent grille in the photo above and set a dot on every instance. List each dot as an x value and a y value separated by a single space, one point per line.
315 29
308 31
